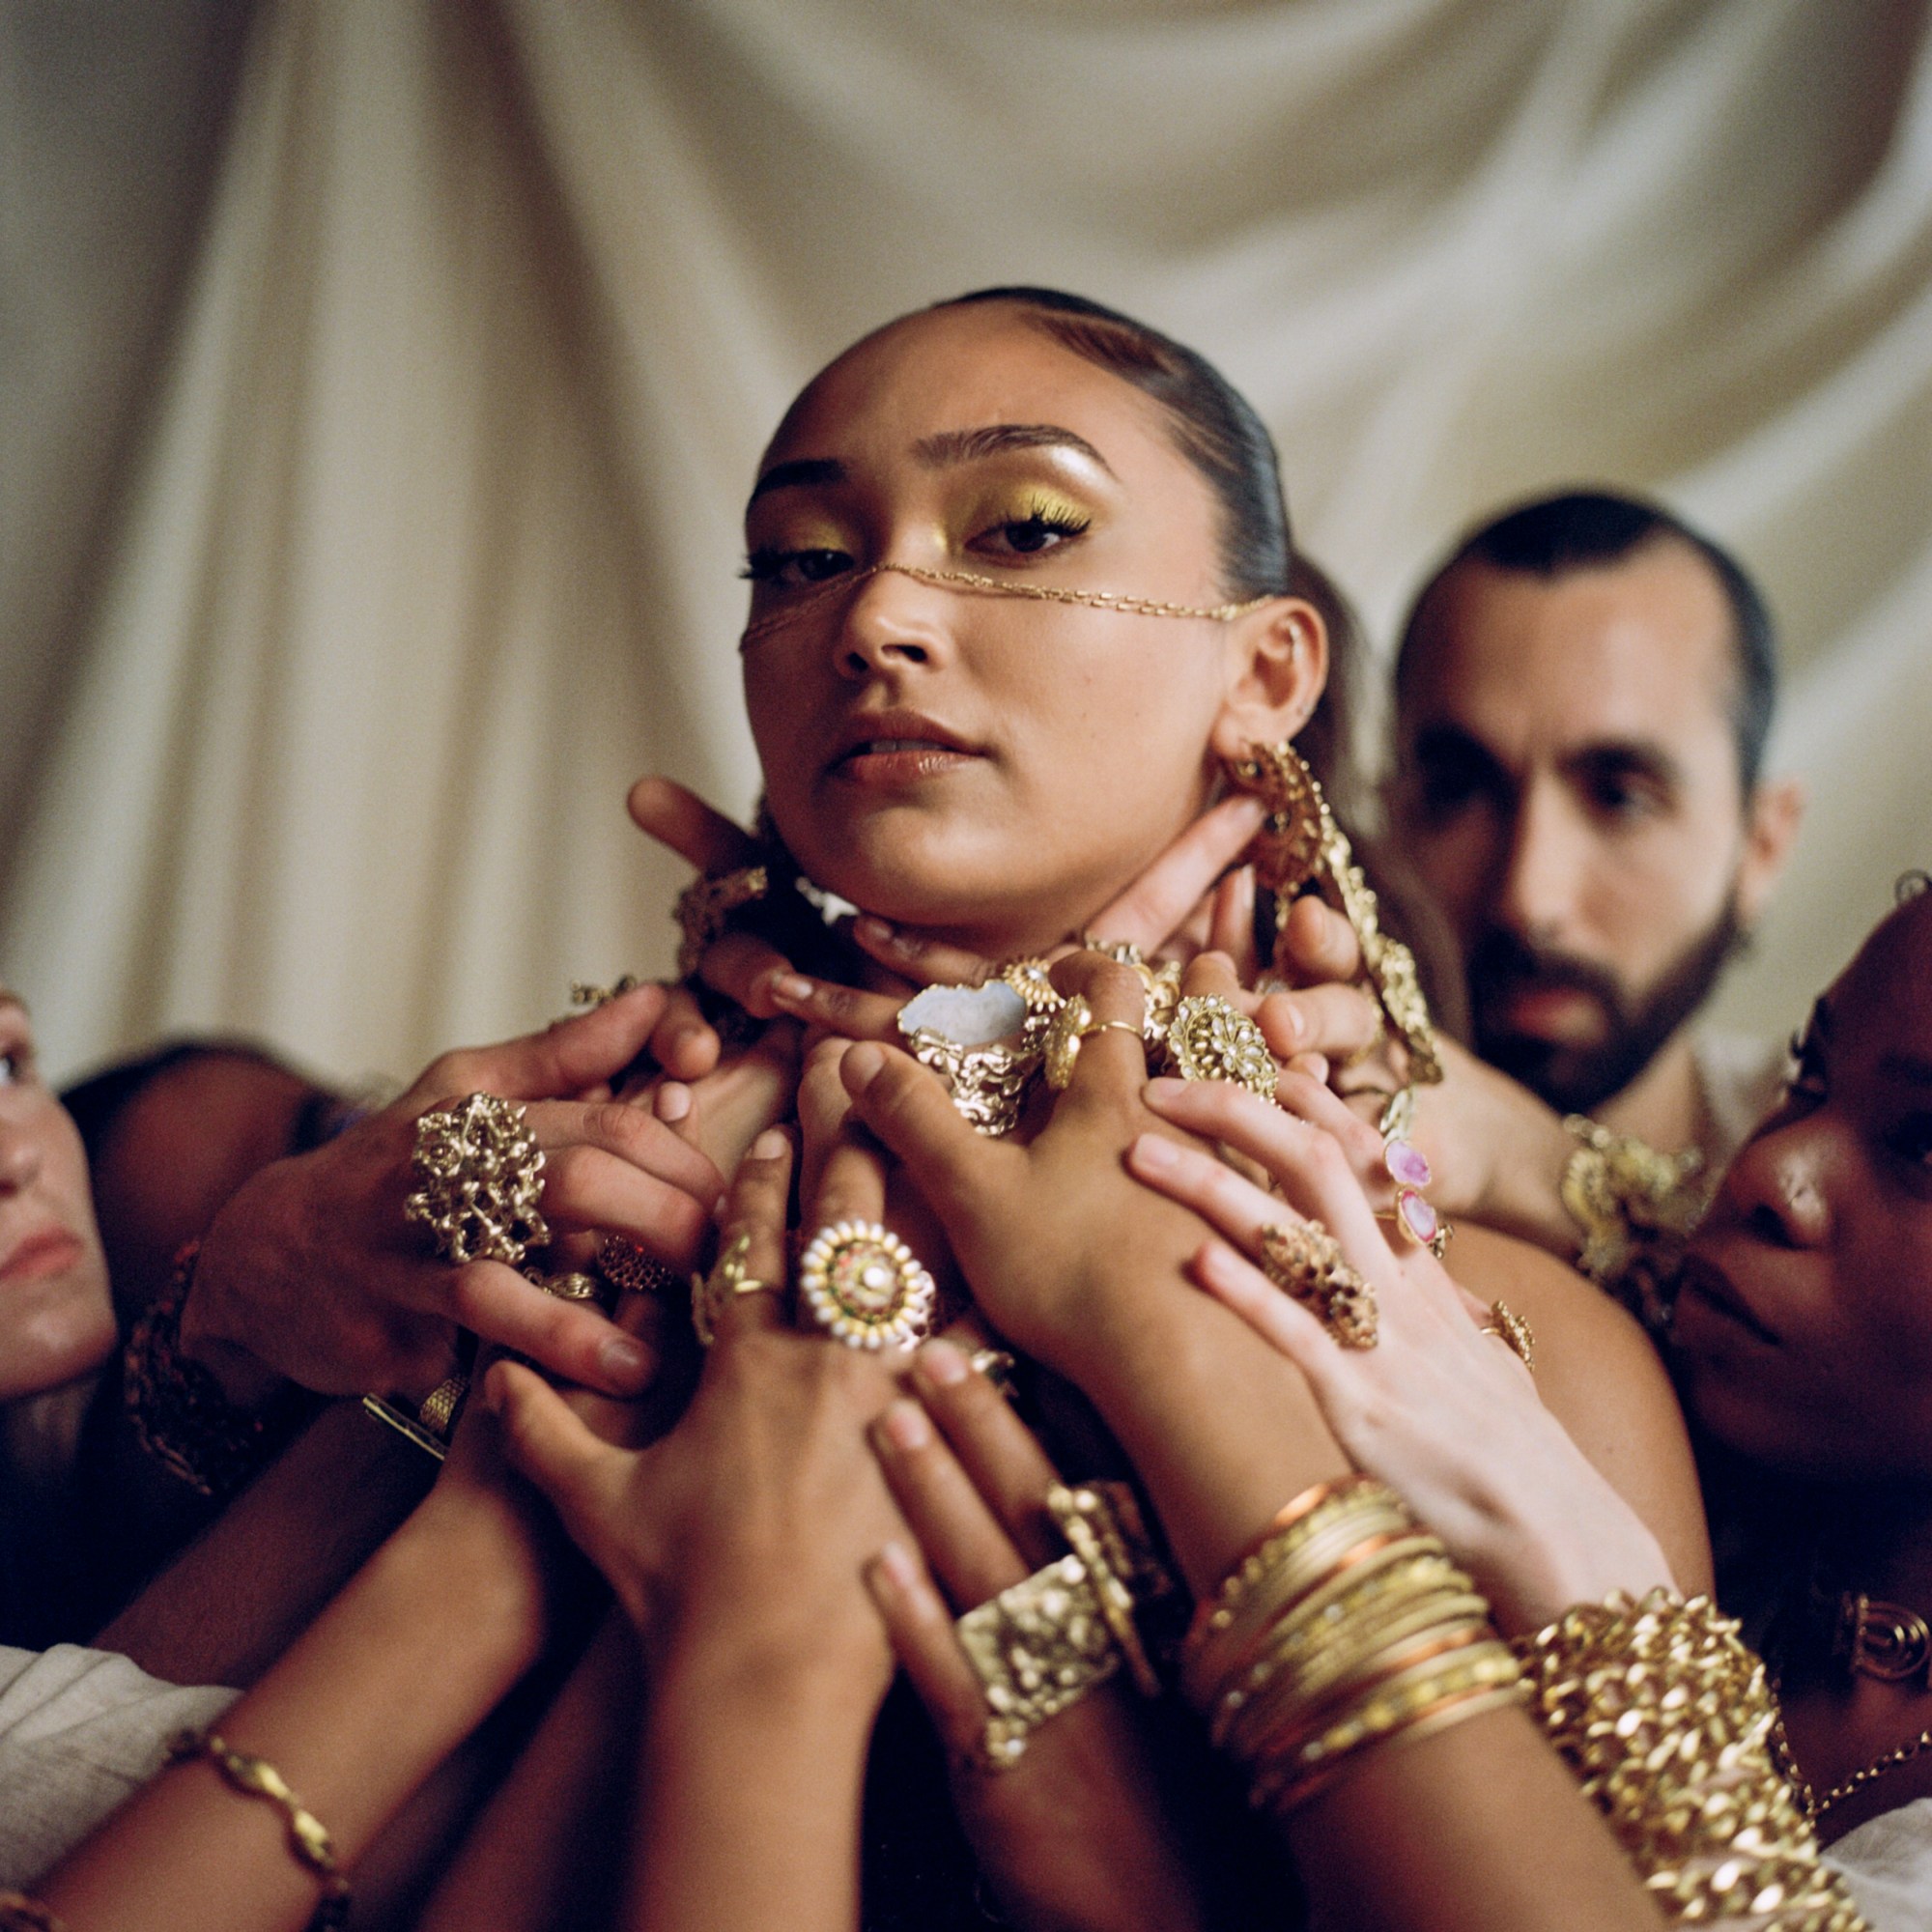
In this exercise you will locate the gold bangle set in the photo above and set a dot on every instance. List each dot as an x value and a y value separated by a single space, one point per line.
1345 1626
1668 1722
309 1842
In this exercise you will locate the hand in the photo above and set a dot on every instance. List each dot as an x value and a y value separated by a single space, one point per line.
311 1270
1038 1229
1441 1411
1180 903
740 1535
1076 1834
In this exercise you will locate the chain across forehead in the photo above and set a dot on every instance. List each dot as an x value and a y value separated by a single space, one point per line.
992 586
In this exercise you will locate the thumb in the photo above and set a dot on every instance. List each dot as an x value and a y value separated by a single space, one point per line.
682 820
553 1448
908 1109
573 1054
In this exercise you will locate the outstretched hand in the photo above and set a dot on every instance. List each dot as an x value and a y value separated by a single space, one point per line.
1076 1834
1438 1409
312 1272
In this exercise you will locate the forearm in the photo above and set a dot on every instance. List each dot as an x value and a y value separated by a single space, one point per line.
234 1600
551 1842
750 1794
400 1668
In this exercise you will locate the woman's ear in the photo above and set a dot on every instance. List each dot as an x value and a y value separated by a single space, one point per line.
1278 667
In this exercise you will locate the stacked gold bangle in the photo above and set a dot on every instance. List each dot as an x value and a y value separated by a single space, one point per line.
1344 1627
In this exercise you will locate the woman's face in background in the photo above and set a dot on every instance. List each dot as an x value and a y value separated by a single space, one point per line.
56 1316
1804 1324
986 766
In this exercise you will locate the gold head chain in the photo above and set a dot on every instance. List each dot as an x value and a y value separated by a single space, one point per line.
971 580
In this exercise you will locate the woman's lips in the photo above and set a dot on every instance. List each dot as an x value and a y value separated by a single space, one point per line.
891 763
52 1251
1712 1288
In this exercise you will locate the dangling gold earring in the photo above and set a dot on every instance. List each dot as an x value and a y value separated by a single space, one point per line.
1299 841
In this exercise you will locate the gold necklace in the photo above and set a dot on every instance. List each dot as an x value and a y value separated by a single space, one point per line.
1809 1801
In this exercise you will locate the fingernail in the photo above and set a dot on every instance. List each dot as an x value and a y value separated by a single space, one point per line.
942 1364
862 1065
1162 1086
624 1360
904 1425
1152 1153
896 1561
871 927
771 1144
791 987
673 1101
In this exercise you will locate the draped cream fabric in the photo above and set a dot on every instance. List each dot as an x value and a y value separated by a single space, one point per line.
338 623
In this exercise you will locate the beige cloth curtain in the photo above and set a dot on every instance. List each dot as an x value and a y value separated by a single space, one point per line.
382 380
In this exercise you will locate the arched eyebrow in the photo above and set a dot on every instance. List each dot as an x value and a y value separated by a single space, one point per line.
801 475
969 445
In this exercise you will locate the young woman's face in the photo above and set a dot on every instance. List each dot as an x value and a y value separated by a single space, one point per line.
56 1318
992 767
1804 1324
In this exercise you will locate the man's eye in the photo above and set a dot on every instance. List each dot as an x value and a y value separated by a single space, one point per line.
1624 799
1804 1084
788 569
17 1068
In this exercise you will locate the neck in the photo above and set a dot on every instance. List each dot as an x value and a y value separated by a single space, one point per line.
1664 1106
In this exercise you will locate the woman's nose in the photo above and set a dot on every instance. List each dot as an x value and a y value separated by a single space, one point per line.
1778 1185
892 623
19 1158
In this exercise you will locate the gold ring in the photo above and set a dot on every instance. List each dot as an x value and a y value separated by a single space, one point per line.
1306 1263
865 1287
1071 1024
479 1181
728 1278
1512 1332
443 1405
1209 1039
1417 1221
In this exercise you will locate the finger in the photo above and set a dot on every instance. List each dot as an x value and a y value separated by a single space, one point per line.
999 1453
682 820
971 1554
1281 1321
557 1451
1316 944
631 1137
1111 1061
920 1624
1341 1022
1152 909
1211 975
567 1338
823 1105
923 961
906 1106
1231 927
761 1192
567 1056
742 966
587 1189
1206 1184
846 1010
1305 1093
683 1043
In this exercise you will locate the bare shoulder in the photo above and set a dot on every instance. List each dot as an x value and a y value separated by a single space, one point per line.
1600 1376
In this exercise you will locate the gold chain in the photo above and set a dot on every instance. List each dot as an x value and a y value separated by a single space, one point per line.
1816 1806
1039 593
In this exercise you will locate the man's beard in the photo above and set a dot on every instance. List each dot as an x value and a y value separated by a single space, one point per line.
1579 1079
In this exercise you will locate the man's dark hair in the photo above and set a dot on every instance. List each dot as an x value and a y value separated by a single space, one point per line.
1214 425
1585 529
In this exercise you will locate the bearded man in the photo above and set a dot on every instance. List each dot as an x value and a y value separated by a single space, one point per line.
1582 696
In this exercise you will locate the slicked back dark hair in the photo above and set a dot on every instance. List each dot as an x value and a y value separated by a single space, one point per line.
1213 425
1586 530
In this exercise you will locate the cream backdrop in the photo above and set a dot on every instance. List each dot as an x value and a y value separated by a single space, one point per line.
381 378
